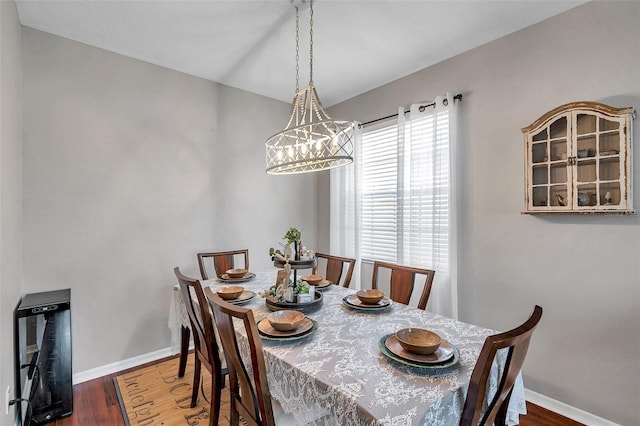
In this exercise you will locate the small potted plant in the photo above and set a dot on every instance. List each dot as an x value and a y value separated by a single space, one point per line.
293 236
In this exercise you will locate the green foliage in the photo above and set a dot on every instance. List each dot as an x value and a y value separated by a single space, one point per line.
293 235
302 287
273 252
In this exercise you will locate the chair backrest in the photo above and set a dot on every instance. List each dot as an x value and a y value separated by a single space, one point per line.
249 395
403 281
517 342
222 261
200 318
335 267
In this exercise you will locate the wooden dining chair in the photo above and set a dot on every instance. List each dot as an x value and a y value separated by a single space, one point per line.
403 281
249 395
222 261
335 267
206 351
517 343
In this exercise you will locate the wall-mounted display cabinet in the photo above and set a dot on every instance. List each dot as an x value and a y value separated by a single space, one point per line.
578 160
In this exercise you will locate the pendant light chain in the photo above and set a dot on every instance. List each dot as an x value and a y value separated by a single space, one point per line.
311 44
297 50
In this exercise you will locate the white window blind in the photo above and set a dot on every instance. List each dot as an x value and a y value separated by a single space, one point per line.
379 208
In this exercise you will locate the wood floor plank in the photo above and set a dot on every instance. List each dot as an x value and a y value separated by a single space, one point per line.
538 416
95 403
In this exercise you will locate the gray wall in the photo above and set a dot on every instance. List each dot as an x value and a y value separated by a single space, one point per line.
10 189
130 169
583 270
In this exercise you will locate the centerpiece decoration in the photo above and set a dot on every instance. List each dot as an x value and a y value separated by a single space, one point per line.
293 237
288 292
293 248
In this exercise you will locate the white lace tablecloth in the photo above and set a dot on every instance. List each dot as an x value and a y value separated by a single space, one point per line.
340 367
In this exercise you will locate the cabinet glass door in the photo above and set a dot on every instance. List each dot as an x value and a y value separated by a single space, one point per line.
549 173
599 141
610 168
585 153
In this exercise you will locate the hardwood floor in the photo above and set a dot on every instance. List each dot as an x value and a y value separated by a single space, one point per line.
95 403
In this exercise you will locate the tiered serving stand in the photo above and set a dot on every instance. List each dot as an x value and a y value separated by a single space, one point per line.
303 307
295 265
314 305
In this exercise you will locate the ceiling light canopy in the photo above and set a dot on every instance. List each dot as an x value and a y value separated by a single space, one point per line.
311 140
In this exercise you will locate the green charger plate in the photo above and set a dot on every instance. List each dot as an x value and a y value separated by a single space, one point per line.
224 278
249 296
445 364
290 338
365 308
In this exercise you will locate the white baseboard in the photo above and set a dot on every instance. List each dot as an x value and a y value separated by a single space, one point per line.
114 367
566 410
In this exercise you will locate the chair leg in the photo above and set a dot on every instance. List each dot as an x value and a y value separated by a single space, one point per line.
234 416
196 381
185 334
216 394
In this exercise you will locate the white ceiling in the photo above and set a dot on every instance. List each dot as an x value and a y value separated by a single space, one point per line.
250 45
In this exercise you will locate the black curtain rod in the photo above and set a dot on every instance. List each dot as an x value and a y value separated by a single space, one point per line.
457 97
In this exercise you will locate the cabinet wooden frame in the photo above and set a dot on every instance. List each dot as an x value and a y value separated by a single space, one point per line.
578 160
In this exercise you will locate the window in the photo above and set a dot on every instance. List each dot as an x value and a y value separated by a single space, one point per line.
405 191
396 202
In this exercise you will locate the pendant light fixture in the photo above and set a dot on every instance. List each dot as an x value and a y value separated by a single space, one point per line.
311 140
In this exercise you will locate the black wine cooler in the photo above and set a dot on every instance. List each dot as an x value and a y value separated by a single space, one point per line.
42 341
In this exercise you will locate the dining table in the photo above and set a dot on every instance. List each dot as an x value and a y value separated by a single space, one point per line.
342 367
